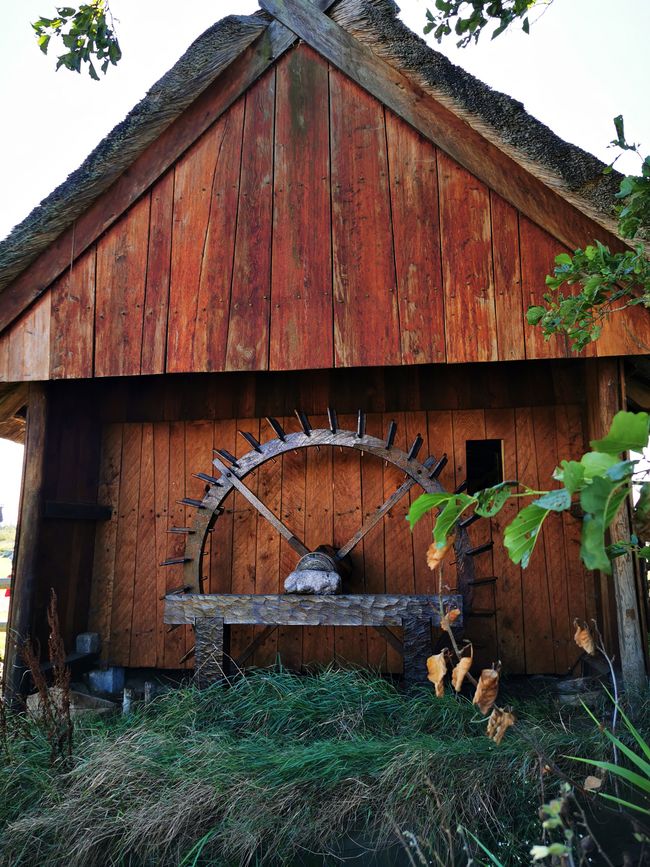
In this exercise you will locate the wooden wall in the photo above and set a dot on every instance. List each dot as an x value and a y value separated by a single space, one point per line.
157 431
308 227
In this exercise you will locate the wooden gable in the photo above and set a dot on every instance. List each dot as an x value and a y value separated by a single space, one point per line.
308 226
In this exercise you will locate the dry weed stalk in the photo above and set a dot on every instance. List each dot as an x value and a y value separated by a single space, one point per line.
54 704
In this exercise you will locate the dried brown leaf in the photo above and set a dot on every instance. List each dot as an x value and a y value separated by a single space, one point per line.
449 618
487 688
499 723
437 668
592 784
583 637
460 670
436 555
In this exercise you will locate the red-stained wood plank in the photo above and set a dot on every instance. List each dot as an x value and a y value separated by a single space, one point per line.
244 540
349 642
500 424
318 642
163 538
546 448
301 293
366 318
126 545
293 516
538 633
73 321
176 639
416 236
510 315
156 302
626 333
421 537
248 325
372 496
224 437
103 575
441 442
470 425
28 354
581 589
4 357
206 184
267 551
143 626
120 293
538 252
470 320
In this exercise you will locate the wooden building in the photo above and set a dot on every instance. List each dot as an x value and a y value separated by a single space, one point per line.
311 209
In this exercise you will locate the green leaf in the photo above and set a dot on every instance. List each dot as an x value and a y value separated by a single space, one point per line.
603 498
621 471
624 803
557 500
629 430
490 501
572 473
618 771
43 43
521 535
563 259
592 545
534 315
452 511
596 464
424 504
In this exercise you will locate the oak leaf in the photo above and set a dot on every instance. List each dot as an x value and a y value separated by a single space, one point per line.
460 670
487 688
436 555
499 723
437 668
449 618
583 638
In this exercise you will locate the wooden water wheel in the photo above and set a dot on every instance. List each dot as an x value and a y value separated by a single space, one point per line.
231 475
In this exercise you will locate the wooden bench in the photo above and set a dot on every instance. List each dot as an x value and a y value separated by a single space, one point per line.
212 615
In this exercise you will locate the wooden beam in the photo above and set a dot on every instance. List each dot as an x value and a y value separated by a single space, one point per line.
605 398
300 610
440 125
59 511
253 60
27 541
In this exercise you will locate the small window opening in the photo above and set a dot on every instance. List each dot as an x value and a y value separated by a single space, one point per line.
484 462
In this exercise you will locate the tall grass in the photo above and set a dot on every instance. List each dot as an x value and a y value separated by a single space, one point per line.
274 767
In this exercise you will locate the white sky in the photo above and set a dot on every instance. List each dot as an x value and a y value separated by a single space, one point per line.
584 62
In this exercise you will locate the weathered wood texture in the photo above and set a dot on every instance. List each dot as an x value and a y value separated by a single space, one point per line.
529 627
307 227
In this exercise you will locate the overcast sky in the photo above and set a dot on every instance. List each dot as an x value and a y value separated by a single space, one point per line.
584 62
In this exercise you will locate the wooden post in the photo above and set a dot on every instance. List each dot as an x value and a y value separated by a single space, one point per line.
27 542
417 648
209 652
605 397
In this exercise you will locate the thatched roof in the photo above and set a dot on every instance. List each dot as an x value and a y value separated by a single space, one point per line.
566 168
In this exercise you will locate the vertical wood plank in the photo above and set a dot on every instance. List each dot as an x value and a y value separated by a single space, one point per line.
126 546
441 441
143 629
73 320
293 515
4 356
103 577
176 639
553 539
421 537
372 496
470 321
538 252
29 344
318 642
206 185
301 293
366 318
156 302
119 298
416 234
500 424
538 636
349 642
510 315
161 526
248 325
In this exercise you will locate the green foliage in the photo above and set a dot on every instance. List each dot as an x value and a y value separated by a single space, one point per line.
599 482
607 282
86 34
469 18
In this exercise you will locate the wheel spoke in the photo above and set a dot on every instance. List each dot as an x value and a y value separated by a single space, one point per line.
375 517
282 529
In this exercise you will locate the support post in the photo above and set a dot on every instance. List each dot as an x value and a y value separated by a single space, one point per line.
27 542
605 398
417 648
209 651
